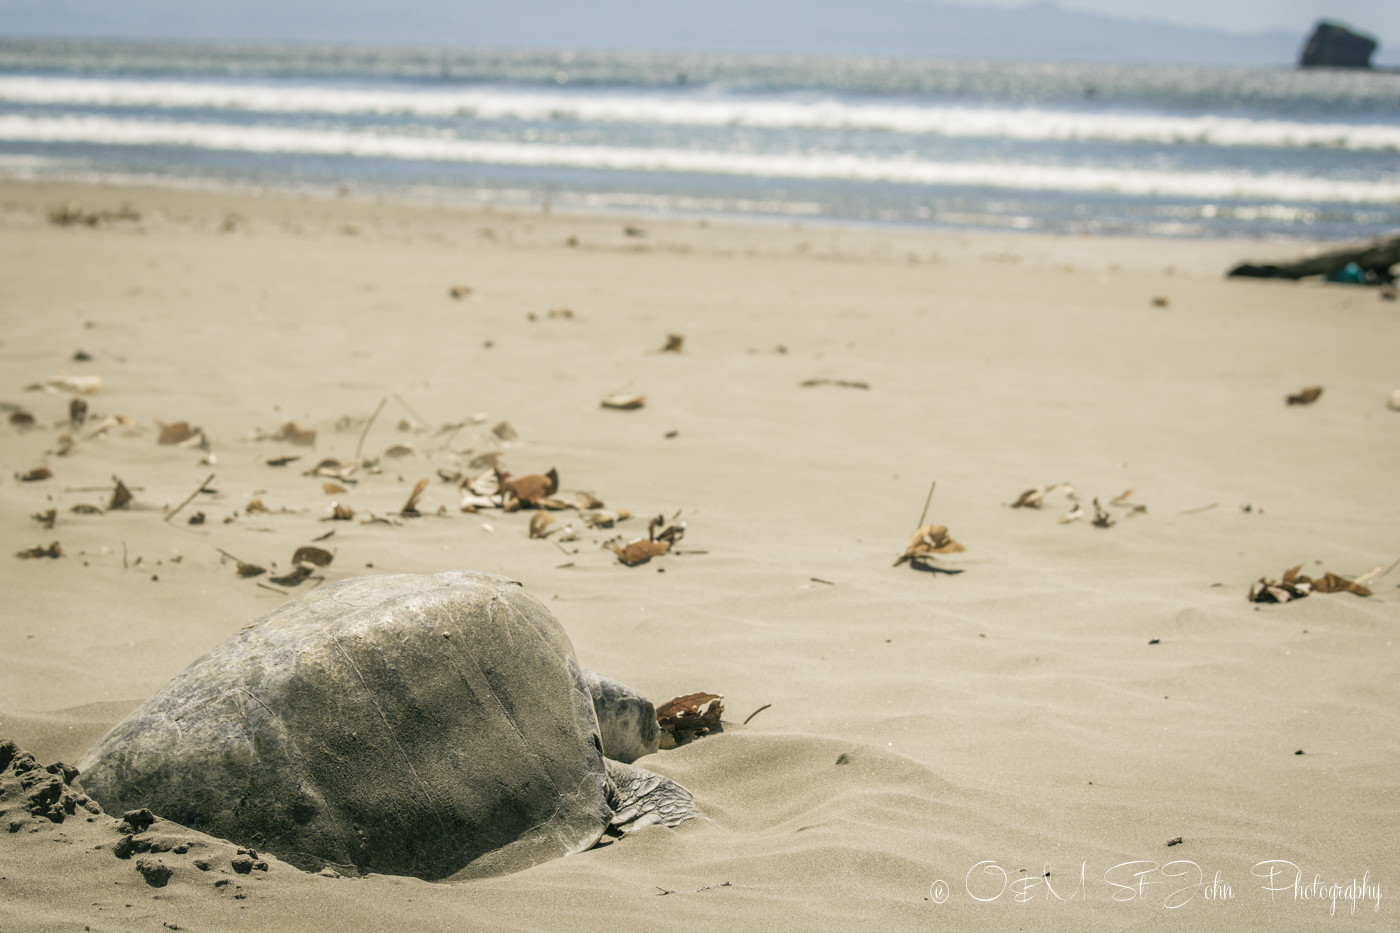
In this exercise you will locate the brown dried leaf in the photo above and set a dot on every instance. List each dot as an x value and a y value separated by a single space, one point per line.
333 489
53 550
256 505
670 530
564 312
341 512
1101 517
400 450
83 508
1305 396
640 551
674 343
927 541
530 489
411 506
249 570
1073 515
690 717
34 475
584 501
121 496
295 576
539 524
296 434
177 433
46 518
22 419
282 461
309 554
77 411
624 402
458 292
504 431
1332 583
602 519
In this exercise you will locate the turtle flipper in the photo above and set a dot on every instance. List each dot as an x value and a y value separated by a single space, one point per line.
644 798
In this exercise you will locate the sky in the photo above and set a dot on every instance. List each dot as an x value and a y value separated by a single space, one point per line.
1380 18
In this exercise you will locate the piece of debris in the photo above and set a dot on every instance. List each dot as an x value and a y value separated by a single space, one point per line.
77 411
540 523
529 490
46 518
35 475
843 383
1161 301
926 542
685 719
458 292
674 343
1305 396
294 433
53 550
410 508
624 402
21 418
245 569
1296 585
121 496
1102 519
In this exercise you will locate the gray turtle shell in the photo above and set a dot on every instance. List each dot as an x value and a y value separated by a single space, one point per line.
400 724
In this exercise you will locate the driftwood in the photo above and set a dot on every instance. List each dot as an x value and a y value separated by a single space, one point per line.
1374 256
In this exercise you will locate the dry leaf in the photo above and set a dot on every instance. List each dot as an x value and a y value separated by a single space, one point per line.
928 541
1305 396
564 312
458 292
282 461
309 554
341 512
1332 583
586 500
1161 301
624 402
333 489
1073 515
539 524
249 570
34 475
83 385
504 431
295 576
411 506
674 343
640 551
1101 517
1035 498
690 717
177 433
666 529
530 489
83 508
843 383
53 550
77 411
22 419
256 505
46 518
604 519
296 434
400 450
121 496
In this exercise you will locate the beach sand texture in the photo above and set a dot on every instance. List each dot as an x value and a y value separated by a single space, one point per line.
1069 699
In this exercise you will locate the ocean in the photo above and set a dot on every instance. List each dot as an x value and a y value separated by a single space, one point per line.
1161 151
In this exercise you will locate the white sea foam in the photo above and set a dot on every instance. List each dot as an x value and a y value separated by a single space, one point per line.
705 109
805 165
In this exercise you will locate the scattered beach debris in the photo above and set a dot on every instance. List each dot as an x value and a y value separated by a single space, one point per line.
504 431
1073 515
687 718
1102 519
624 402
842 383
282 461
1305 396
294 433
928 540
1034 498
203 487
410 508
71 214
563 312
1161 301
21 418
662 534
35 475
54 549
756 712
540 523
1373 258
121 496
458 292
46 518
181 433
306 560
82 385
1294 584
1120 501
77 412
245 569
530 490
674 344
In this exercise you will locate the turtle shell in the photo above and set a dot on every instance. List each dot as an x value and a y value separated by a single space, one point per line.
402 724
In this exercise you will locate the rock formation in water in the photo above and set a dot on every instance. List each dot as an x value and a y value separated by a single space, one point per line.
1333 46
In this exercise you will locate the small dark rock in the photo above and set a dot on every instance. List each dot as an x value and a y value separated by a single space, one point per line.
242 864
138 820
156 872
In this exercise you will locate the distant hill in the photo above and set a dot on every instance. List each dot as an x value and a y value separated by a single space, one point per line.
1041 30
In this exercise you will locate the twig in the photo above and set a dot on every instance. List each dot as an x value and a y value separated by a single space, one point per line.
273 588
722 884
1200 508
171 514
820 580
124 565
399 398
1386 572
927 503
107 488
360 444
756 712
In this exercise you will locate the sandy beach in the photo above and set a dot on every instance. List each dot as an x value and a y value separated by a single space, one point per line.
1068 725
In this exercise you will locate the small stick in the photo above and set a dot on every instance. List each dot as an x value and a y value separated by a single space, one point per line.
756 712
359 445
274 589
1386 572
399 398
927 503
124 566
107 488
171 514
722 884
1200 508
820 580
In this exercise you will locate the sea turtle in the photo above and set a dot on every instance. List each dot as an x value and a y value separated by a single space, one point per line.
428 725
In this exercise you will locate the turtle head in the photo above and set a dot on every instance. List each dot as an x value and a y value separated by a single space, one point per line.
626 719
